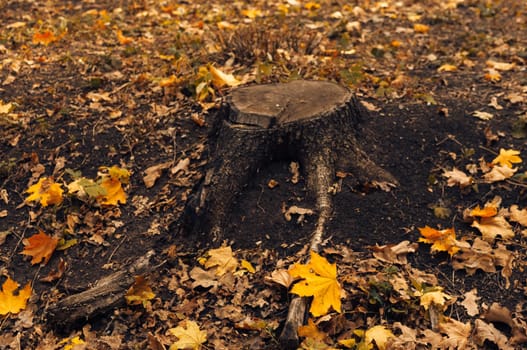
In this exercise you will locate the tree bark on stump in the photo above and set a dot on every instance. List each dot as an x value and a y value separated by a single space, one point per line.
313 122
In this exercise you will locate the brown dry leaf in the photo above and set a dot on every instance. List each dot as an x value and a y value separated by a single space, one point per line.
221 260
458 334
478 256
54 275
492 75
281 277
517 215
140 292
487 332
499 173
153 173
483 115
502 66
394 254
471 302
203 278
378 334
457 177
39 247
11 303
492 227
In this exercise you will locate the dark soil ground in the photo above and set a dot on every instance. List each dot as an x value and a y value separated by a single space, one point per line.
422 126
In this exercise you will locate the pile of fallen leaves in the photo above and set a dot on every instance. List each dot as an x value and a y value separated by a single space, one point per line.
73 74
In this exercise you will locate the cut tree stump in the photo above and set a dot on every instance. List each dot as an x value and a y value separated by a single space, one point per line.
314 122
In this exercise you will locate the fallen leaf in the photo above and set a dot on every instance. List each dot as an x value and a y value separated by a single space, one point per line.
123 40
72 342
483 115
487 211
457 332
54 275
112 182
507 157
222 260
203 278
189 336
140 292
492 227
434 297
319 280
220 79
6 108
487 332
502 66
247 266
478 256
153 173
311 331
44 38
46 191
11 303
517 215
457 177
499 173
447 68
39 247
441 240
378 334
394 253
281 277
470 302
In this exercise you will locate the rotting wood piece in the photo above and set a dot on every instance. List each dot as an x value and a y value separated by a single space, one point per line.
107 294
311 121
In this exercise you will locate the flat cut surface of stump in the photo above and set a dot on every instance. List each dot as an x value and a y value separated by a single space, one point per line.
266 106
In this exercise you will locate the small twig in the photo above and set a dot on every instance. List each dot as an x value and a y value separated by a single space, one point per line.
115 250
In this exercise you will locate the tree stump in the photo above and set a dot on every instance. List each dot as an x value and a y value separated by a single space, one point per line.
313 122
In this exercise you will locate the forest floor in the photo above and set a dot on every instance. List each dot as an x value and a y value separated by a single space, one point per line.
90 89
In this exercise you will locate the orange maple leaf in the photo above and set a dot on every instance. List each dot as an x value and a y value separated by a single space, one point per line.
10 303
40 247
44 38
441 240
319 280
487 211
123 40
46 191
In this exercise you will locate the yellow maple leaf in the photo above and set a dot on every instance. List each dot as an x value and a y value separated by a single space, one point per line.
10 303
507 157
319 280
311 6
140 292
71 343
46 191
441 240
222 259
447 68
39 247
112 183
189 336
252 13
434 297
247 266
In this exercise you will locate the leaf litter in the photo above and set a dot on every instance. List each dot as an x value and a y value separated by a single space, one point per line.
136 94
